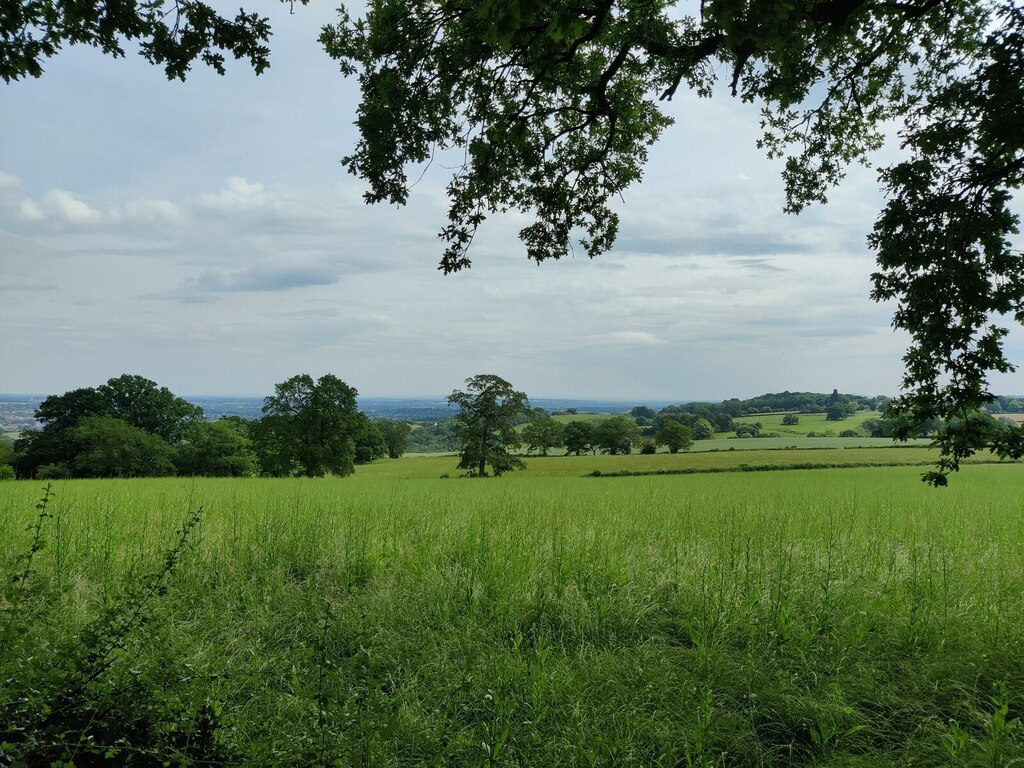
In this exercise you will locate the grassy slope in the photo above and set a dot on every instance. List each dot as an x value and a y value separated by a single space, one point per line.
842 617
809 422
432 466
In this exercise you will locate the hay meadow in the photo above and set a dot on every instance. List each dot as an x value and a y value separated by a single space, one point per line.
848 616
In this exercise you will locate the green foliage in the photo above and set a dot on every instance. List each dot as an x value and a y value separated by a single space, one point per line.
370 443
174 36
748 430
309 428
536 137
642 412
702 429
137 401
542 434
944 239
553 106
579 437
434 438
217 449
790 420
143 404
616 435
488 412
396 436
56 471
93 699
676 436
6 460
839 411
110 447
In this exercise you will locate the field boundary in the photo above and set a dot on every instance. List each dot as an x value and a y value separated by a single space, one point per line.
777 467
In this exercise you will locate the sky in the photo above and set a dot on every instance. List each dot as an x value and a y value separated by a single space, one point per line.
205 235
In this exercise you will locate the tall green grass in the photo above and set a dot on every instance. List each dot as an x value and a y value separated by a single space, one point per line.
843 617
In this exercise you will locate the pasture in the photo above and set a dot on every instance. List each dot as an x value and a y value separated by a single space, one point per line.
809 422
705 456
826 617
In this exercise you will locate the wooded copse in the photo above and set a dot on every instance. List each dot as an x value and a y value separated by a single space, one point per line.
131 427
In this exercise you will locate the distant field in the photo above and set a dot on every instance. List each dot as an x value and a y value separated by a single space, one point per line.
433 465
772 422
800 441
809 422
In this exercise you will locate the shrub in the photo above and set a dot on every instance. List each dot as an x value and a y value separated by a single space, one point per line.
648 448
56 471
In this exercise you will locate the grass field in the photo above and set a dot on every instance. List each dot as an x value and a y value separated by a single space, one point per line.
706 456
809 422
828 617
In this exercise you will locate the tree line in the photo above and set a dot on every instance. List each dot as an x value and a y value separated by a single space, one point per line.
132 427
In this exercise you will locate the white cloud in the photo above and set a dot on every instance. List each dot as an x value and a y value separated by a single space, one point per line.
68 207
237 194
643 338
154 211
31 211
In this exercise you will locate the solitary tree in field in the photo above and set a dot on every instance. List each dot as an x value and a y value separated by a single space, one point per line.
839 411
485 424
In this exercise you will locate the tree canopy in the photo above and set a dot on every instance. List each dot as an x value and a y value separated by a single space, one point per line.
676 436
313 426
542 434
130 399
489 409
173 35
616 435
554 104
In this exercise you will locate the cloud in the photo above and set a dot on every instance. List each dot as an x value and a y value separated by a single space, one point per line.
57 205
67 206
256 279
30 210
634 338
758 264
238 194
154 211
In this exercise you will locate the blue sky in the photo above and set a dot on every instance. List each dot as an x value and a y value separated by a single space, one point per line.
204 234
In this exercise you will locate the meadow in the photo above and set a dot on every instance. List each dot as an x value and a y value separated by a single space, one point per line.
825 617
808 422
705 456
